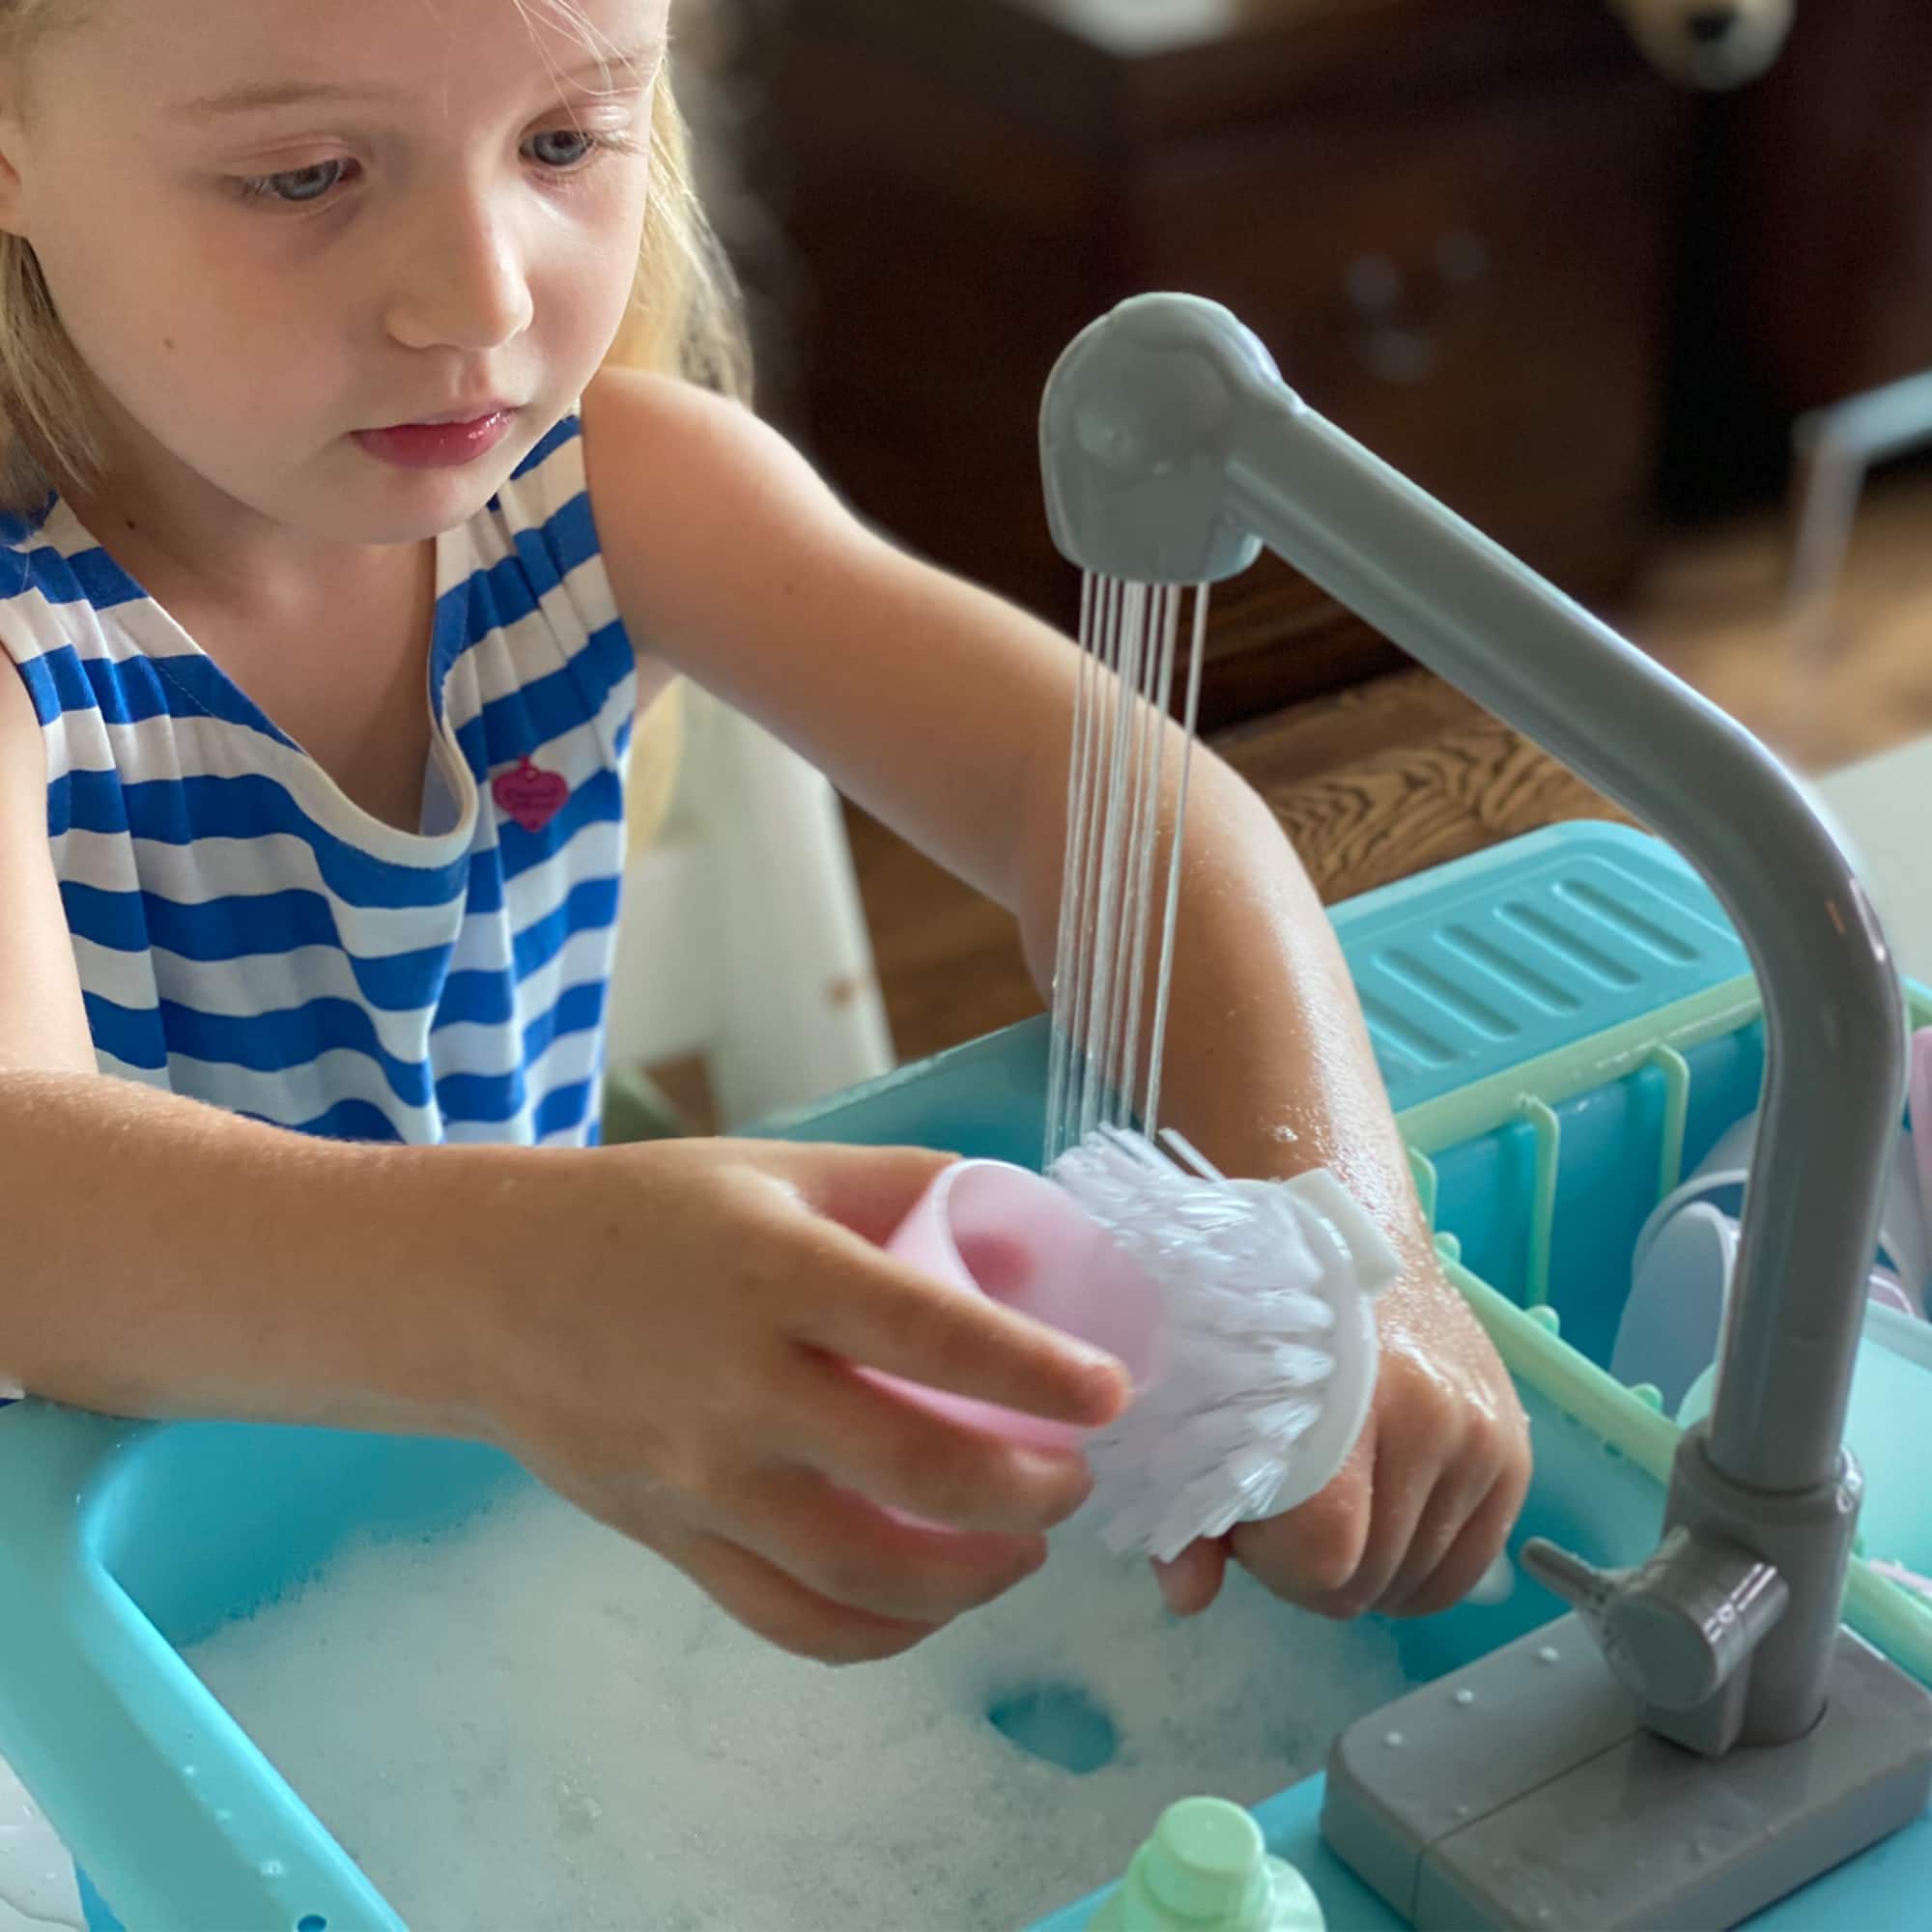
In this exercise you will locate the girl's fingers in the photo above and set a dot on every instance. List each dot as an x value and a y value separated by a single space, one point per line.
1457 1496
884 1446
1193 1579
860 1557
868 1190
1483 1534
788 1613
1313 1555
870 1309
1406 1475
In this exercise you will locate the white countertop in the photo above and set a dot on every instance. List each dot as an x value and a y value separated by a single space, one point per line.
1883 806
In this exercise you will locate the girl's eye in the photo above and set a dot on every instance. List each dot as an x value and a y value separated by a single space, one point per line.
298 187
564 148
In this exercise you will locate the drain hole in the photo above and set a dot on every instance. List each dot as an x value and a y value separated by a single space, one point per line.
314 1923
1057 1723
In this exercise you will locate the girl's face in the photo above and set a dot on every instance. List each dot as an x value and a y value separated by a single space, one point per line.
286 236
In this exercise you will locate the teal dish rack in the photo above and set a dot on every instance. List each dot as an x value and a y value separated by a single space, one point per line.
1565 1023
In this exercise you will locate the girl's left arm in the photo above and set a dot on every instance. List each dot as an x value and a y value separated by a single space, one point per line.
948 713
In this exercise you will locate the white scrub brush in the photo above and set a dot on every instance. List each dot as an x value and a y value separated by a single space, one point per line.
1265 1361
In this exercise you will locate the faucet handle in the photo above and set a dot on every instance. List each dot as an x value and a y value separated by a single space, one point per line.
1677 1627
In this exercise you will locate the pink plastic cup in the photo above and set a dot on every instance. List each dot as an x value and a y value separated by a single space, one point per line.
1008 1234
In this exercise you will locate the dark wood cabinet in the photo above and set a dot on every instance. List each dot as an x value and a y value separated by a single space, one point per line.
1807 251
1450 219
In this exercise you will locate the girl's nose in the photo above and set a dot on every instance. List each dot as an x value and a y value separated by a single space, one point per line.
459 282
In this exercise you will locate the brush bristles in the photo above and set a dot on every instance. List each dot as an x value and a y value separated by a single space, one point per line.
1245 1361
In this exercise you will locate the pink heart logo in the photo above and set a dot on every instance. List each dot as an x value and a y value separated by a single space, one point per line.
533 798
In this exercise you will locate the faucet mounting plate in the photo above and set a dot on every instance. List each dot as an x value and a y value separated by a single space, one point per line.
1524 1793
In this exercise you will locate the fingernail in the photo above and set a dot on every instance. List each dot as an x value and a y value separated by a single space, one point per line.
1099 1368
1094 1358
1073 1499
1070 1471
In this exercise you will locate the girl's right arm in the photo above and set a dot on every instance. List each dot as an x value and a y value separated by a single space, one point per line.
666 1334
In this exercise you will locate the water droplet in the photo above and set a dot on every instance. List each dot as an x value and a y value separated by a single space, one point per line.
190 1771
224 1816
272 1868
1464 1698
1550 1654
1393 1740
1461 1810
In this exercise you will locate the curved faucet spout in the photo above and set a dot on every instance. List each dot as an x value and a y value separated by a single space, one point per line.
1171 444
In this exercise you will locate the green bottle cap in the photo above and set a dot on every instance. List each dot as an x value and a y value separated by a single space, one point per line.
1205 1859
1206 1869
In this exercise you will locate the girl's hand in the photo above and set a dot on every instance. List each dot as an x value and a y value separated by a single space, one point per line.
671 1337
1428 1497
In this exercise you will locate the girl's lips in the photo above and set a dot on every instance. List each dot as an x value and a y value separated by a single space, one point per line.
437 445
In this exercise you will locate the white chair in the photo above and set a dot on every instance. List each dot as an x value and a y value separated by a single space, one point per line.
1833 451
743 938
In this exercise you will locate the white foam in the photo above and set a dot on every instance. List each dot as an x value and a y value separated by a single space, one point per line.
535 1722
37 1886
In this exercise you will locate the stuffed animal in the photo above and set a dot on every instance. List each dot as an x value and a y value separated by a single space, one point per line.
1708 43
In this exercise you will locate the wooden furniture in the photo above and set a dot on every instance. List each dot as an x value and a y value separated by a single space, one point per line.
1822 242
1372 785
1450 218
1807 246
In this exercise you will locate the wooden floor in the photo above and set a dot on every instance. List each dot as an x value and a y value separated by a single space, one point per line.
1403 773
1711 608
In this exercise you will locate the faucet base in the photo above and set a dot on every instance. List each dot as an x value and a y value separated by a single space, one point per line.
1777 1689
1524 1793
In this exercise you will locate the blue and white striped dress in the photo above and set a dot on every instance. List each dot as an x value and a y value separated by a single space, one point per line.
247 935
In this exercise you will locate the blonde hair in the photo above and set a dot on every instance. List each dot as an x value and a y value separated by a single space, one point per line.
685 316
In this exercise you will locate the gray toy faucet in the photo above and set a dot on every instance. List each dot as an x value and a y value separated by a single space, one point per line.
1171 451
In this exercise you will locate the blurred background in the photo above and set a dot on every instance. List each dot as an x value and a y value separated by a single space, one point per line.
1587 273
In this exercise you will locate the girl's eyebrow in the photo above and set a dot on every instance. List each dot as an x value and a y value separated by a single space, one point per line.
264 96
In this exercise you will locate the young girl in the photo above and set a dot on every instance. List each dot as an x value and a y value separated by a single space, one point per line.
341 561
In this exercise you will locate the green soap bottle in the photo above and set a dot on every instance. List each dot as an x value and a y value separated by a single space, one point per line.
1206 1869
